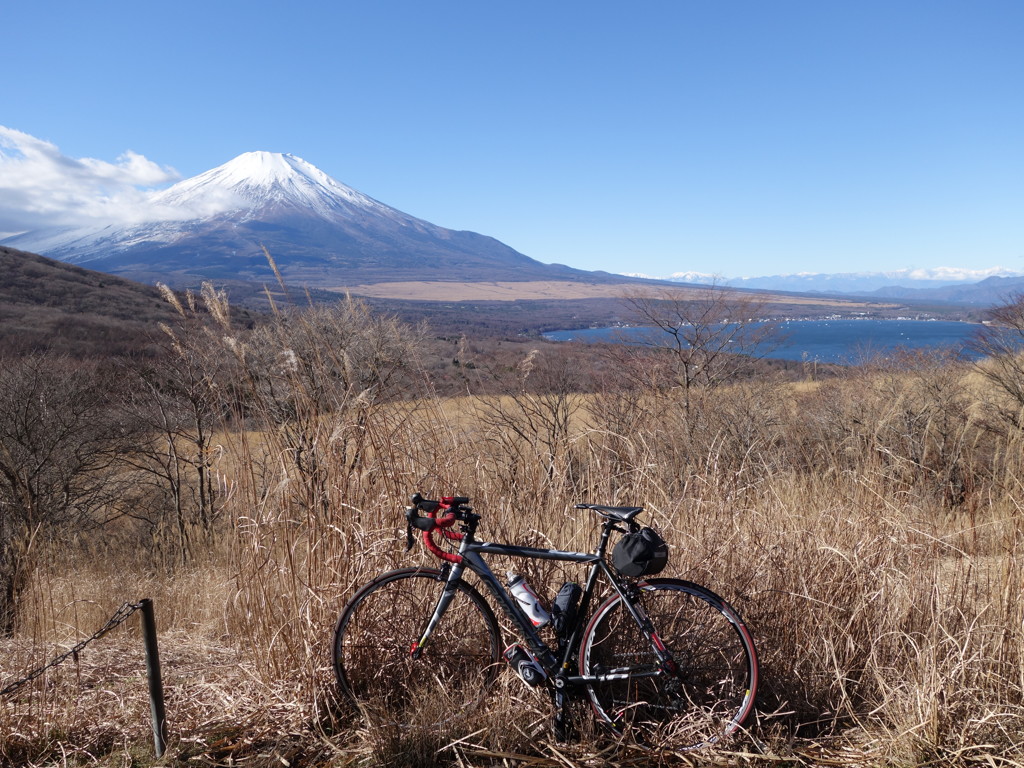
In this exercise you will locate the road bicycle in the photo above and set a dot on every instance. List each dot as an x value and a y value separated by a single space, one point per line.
664 660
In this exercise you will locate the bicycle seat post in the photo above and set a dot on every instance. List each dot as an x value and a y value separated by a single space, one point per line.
606 531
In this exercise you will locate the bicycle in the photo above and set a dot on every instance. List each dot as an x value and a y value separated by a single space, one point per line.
663 659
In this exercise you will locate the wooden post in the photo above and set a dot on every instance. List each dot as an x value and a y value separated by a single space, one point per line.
156 685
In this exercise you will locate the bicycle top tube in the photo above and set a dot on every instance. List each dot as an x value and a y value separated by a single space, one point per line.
489 548
442 514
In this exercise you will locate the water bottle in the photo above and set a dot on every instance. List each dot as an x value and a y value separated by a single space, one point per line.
528 600
525 664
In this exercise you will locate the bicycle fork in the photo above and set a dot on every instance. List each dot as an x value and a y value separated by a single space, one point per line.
451 576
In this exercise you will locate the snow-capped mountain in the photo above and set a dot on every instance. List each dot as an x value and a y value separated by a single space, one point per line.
320 233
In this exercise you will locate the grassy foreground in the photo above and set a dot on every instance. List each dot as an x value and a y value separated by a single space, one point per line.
868 529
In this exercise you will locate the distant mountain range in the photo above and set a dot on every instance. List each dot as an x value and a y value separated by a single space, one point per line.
320 233
943 284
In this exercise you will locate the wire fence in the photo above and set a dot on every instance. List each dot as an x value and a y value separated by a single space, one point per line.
120 617
156 693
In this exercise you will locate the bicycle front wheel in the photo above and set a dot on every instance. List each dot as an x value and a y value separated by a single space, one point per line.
381 626
706 695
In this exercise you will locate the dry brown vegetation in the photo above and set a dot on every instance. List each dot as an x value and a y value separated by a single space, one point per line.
59 308
868 528
436 290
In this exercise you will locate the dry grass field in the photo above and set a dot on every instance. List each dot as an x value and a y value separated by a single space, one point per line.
427 290
868 528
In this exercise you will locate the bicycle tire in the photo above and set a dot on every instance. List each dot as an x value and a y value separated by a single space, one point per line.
711 693
382 623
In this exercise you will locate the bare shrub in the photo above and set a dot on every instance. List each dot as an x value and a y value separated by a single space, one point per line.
908 422
59 447
530 424
708 336
318 379
177 400
1001 347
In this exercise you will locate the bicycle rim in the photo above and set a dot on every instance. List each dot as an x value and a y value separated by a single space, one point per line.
712 691
375 636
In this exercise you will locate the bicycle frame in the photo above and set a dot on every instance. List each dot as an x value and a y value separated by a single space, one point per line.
471 555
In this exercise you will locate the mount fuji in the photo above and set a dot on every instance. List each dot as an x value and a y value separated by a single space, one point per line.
320 233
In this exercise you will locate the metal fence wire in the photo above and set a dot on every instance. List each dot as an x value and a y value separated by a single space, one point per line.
120 617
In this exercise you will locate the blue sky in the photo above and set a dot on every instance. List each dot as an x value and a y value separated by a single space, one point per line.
722 136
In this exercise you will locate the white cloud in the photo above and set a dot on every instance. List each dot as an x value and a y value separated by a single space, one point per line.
40 187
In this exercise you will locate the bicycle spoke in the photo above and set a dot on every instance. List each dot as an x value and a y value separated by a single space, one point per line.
373 647
709 693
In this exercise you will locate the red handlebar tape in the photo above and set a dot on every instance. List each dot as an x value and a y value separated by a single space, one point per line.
442 523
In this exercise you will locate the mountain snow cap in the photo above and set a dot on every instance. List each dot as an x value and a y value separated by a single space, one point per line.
269 168
255 180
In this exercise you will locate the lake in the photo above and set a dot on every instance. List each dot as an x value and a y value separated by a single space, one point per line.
826 341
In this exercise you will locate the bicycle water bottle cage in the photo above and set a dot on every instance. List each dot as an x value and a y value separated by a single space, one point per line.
564 607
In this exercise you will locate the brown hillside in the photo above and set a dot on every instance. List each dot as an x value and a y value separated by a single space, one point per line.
52 306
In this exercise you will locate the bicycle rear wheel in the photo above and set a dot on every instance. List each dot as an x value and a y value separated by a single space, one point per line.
382 624
711 692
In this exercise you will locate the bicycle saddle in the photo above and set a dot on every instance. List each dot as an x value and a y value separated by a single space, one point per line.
622 514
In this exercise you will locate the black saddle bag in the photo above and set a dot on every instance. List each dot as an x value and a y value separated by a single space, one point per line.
643 553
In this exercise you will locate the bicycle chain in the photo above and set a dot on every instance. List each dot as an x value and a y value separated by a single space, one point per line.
120 617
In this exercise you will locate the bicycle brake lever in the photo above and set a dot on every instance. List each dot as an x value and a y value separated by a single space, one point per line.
410 514
421 523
